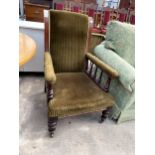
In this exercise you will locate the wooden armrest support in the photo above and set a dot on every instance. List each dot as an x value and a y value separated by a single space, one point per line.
50 75
108 69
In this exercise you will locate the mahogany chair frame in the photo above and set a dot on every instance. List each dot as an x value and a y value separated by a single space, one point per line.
88 69
89 6
58 3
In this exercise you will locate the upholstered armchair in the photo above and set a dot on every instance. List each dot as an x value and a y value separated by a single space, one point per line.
118 51
71 86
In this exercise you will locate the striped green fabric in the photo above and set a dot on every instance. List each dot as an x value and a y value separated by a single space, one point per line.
76 93
68 37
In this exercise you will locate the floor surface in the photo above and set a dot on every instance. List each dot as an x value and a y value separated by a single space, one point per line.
79 135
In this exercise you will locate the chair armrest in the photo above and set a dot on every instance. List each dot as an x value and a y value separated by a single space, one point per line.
49 73
108 69
125 70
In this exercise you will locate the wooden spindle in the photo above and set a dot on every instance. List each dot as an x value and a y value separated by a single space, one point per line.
100 78
95 73
86 64
91 68
107 85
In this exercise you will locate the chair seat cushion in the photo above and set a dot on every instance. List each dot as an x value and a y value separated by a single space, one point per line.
76 93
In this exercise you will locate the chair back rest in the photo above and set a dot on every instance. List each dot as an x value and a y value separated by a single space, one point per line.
132 17
76 6
106 15
91 12
106 18
75 9
58 6
68 40
122 15
90 9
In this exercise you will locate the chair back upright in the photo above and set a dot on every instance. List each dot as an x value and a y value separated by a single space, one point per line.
58 5
106 15
68 33
90 9
122 15
132 17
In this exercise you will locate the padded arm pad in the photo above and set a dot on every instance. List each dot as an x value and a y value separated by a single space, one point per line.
48 68
102 65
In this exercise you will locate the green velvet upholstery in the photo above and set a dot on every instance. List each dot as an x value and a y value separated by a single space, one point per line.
118 52
67 50
48 68
73 92
76 93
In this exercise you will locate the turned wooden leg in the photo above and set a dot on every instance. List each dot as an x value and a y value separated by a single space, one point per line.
107 84
49 90
104 115
52 122
45 87
115 119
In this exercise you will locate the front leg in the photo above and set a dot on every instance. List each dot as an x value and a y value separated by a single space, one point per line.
52 122
104 115
45 87
49 90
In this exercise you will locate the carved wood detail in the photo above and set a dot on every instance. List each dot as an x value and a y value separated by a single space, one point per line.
52 122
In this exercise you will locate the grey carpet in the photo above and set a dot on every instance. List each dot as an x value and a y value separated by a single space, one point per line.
79 135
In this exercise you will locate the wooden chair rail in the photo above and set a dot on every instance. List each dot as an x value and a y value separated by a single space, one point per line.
90 67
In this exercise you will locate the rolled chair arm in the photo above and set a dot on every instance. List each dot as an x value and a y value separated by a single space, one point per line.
108 69
49 73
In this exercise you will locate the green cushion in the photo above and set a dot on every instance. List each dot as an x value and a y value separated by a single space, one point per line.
120 37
